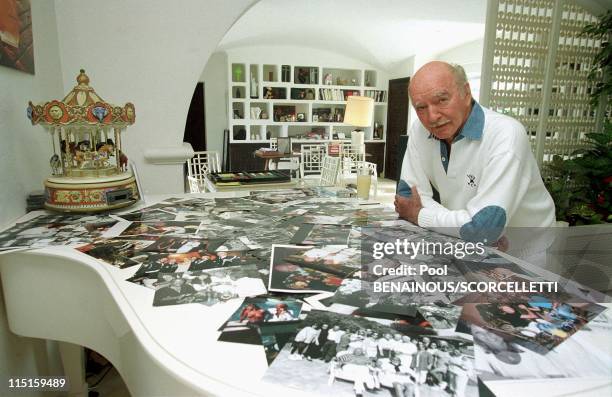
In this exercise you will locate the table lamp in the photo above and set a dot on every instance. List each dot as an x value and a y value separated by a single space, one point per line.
359 113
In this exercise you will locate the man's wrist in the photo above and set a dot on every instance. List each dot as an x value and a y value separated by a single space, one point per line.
426 217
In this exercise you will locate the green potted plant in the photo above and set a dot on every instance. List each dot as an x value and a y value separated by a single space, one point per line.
581 185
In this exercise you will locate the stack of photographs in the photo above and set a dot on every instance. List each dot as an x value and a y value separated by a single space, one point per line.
356 340
55 230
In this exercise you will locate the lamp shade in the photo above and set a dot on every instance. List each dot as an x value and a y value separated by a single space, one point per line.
359 111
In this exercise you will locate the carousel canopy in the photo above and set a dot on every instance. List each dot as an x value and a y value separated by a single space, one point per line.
82 106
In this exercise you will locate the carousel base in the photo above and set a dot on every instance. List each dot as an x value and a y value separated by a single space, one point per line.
90 194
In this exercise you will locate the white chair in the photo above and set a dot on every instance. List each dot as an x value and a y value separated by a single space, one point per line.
311 159
330 169
194 185
202 164
351 156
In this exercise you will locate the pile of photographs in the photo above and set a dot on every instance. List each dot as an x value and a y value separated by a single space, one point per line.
298 262
55 230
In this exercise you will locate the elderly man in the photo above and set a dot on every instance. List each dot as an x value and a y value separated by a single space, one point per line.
479 161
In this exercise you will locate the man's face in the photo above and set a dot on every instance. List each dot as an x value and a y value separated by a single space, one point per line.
439 103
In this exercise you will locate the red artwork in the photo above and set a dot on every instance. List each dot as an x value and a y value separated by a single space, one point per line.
16 41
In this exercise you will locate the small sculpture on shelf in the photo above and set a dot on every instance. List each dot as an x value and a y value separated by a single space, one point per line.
269 94
254 94
327 80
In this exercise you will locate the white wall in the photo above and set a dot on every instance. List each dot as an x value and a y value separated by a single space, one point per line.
468 55
151 53
24 160
26 149
214 77
401 69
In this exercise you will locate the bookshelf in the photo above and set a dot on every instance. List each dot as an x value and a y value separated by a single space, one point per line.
303 101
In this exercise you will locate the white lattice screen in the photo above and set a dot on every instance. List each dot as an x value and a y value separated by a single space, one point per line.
544 86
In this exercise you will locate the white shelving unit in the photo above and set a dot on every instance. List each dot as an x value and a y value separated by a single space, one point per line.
305 102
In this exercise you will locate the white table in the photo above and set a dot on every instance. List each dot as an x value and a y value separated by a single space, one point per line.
61 294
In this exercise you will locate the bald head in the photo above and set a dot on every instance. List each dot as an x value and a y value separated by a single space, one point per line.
441 98
441 70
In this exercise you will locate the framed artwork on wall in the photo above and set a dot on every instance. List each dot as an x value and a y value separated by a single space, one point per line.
16 40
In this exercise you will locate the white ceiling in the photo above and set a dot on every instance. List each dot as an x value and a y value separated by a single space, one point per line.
379 32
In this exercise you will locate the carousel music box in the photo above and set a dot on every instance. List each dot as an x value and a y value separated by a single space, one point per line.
89 171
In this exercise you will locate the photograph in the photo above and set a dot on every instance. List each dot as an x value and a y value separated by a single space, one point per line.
148 215
209 287
151 266
257 310
280 197
311 234
286 276
243 326
116 252
151 230
340 355
539 324
440 315
211 260
335 259
497 358
360 294
180 245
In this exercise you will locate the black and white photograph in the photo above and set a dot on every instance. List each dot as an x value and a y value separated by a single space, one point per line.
335 259
149 215
310 234
358 293
151 266
180 245
276 197
210 287
440 315
153 230
340 355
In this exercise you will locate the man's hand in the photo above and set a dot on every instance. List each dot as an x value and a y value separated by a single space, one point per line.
502 244
408 208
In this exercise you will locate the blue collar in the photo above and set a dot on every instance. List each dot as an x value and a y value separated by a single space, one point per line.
473 127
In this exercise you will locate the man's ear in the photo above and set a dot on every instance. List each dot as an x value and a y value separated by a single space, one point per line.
467 91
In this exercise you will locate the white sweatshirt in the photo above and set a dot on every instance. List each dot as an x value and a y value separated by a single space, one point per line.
490 182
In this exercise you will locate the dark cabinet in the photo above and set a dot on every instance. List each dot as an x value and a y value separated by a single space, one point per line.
242 157
376 152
